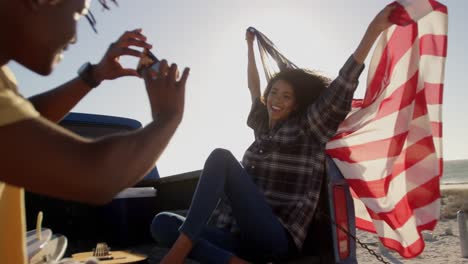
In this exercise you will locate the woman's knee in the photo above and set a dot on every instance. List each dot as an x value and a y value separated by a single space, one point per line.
165 228
220 155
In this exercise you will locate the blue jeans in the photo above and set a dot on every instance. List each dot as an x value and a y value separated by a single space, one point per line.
261 237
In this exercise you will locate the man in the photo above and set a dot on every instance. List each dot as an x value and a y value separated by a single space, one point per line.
40 156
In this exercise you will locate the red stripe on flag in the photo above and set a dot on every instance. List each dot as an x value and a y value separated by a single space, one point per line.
421 196
400 98
369 226
434 93
408 252
356 103
384 148
441 167
365 225
438 6
399 15
428 226
407 158
341 135
430 95
414 249
420 105
436 129
435 45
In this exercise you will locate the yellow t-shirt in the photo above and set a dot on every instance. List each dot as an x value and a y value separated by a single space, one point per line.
13 108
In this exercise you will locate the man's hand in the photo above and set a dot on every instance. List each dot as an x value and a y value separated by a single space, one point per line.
165 92
109 67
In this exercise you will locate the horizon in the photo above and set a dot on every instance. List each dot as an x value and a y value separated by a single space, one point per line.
457 160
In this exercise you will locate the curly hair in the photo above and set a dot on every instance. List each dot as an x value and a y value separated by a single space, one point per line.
104 3
90 17
307 86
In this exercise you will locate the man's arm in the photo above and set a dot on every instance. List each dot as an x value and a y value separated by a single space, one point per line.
56 103
45 158
252 72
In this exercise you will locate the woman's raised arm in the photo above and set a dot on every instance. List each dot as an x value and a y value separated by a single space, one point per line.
378 24
252 72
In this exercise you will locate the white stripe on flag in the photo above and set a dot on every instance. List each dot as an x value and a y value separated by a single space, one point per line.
435 23
434 113
378 51
372 170
402 184
432 69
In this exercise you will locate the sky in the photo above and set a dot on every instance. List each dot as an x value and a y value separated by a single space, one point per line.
209 37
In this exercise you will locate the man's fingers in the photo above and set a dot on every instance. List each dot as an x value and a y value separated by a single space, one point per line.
184 78
134 42
133 34
163 68
173 73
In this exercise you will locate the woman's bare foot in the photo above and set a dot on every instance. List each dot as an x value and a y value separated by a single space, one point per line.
179 251
236 260
172 259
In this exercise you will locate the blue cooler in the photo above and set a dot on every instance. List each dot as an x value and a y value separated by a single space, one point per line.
122 223
129 215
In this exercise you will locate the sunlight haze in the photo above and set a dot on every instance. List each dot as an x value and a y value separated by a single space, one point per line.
208 36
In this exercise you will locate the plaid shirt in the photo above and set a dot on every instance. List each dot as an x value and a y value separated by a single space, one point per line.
287 163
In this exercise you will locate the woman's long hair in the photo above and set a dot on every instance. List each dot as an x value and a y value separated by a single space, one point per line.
307 85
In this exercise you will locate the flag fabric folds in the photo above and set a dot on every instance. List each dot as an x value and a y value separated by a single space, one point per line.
389 148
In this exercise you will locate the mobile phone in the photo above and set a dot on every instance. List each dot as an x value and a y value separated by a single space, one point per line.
148 61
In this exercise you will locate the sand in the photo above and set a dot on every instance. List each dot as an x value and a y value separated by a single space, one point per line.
442 245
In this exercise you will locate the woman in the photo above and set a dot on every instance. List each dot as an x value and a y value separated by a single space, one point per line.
271 197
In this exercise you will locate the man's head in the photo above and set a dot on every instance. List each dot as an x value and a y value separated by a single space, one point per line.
38 31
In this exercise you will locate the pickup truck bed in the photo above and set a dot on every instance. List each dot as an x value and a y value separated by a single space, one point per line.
124 223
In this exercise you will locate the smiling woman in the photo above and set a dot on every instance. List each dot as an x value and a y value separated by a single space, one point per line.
281 102
291 91
269 199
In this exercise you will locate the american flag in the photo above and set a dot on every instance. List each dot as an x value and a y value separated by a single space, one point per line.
389 148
